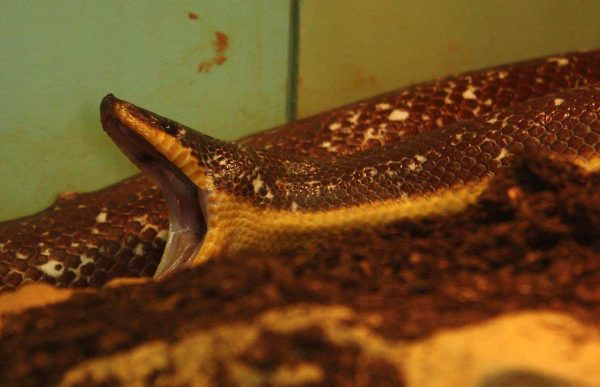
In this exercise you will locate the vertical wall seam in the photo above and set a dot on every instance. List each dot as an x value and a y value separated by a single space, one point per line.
293 55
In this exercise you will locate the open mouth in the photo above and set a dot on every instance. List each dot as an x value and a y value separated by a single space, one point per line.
185 202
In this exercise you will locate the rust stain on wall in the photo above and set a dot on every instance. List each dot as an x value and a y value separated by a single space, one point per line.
193 15
359 77
220 45
452 46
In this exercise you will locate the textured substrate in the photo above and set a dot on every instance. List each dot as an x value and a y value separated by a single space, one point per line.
532 242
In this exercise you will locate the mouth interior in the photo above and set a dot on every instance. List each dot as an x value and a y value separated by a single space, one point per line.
185 202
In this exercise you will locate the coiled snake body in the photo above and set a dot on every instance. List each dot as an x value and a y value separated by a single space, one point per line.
427 150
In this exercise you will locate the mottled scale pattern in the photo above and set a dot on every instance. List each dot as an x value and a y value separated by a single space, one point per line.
469 151
73 244
397 115
85 239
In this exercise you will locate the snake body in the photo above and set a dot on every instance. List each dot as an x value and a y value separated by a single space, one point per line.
426 150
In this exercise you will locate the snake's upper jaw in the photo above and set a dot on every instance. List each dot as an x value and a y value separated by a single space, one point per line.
152 143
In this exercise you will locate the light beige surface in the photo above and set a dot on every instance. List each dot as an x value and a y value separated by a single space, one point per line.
530 348
351 49
35 295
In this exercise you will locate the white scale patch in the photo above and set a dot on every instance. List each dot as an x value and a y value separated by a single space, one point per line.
294 206
558 101
257 183
382 106
325 144
52 268
354 118
367 171
398 115
469 93
101 217
503 153
559 61
372 134
139 249
149 225
335 126
447 99
457 139
141 219
84 260
414 166
21 256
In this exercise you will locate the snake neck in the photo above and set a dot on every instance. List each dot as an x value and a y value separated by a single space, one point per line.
226 198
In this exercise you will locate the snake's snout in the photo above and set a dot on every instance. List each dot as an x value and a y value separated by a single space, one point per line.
156 145
107 103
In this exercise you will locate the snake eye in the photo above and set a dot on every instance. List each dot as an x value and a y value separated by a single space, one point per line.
145 158
170 128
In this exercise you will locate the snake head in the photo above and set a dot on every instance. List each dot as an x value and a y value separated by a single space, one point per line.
184 164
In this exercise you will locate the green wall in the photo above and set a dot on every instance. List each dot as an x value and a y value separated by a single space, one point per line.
351 49
59 58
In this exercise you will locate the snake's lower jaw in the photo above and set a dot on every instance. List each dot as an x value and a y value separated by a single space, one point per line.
131 128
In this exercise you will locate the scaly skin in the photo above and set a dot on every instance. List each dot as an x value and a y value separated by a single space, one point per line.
84 239
266 202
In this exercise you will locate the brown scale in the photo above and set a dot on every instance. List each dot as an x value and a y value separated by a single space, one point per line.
69 234
136 219
564 122
366 124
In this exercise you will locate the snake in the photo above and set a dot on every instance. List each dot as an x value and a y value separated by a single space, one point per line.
425 150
